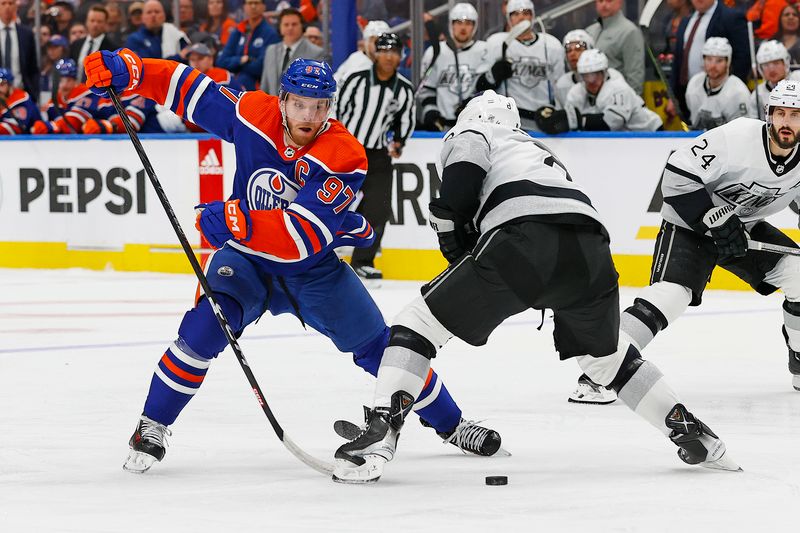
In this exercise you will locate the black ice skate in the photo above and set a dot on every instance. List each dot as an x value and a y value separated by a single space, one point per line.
361 460
590 392
148 445
697 444
471 438
794 362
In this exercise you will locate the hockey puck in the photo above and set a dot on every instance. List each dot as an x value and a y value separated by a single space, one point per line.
497 480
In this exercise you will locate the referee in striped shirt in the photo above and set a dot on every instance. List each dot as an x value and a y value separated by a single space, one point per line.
377 106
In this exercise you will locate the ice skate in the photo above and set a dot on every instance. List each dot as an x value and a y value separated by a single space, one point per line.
469 437
148 445
361 460
697 444
590 392
794 368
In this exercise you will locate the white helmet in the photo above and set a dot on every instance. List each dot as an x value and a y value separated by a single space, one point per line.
772 51
463 11
491 108
785 94
375 28
578 36
593 60
517 5
718 47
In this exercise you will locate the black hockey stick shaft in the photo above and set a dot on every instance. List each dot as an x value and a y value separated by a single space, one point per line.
662 77
754 67
314 463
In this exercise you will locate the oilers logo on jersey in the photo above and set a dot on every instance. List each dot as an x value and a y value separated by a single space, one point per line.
530 71
449 79
749 198
269 188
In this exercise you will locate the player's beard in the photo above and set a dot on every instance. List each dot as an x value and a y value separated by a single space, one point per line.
302 133
783 145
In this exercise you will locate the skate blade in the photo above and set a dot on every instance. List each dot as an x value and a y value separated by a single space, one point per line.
723 463
591 402
796 382
501 452
138 462
350 474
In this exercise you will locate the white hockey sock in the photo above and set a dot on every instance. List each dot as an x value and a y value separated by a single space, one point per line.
649 396
792 323
401 369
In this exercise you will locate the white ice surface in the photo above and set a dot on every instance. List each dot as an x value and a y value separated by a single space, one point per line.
77 350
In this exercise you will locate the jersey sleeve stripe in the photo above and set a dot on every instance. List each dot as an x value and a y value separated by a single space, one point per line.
311 217
302 249
6 126
81 117
186 89
201 88
686 174
308 231
173 84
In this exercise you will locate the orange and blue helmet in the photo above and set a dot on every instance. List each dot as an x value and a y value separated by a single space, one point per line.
6 76
309 78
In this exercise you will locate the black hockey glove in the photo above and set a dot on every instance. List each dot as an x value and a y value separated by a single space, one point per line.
551 121
727 230
502 70
454 239
591 122
433 121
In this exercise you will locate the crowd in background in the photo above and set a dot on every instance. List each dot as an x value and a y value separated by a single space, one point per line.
247 44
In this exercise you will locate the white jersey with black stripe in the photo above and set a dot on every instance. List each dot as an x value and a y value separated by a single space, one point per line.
709 107
621 107
523 177
733 164
441 88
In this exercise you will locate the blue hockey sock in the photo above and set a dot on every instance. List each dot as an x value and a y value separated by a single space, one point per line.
182 368
436 406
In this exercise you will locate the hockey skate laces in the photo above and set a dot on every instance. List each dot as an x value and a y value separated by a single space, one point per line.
468 434
155 432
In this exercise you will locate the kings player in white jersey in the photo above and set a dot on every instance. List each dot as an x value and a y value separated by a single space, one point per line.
449 76
527 69
540 245
773 64
718 189
602 103
715 97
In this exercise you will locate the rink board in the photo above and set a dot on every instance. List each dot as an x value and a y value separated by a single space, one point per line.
87 202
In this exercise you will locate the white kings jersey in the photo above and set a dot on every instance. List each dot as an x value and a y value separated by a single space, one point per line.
537 67
356 61
522 176
733 164
621 107
764 88
569 79
710 108
441 87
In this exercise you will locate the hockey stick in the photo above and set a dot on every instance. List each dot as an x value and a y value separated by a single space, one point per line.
662 77
775 248
754 66
550 97
317 464
519 28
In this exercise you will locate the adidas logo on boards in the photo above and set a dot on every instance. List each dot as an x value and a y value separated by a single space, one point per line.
210 163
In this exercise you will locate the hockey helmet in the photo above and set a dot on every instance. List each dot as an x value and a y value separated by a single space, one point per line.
491 108
593 60
389 41
67 68
6 76
718 47
579 37
518 5
374 28
309 78
785 94
463 11
772 51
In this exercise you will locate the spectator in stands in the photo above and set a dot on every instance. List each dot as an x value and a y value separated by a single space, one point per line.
116 21
292 46
219 22
765 15
314 36
18 111
77 32
63 14
83 7
602 103
365 56
72 106
57 48
715 97
788 31
201 57
158 38
96 38
773 64
679 9
18 49
188 22
134 21
711 18
44 35
621 40
244 53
